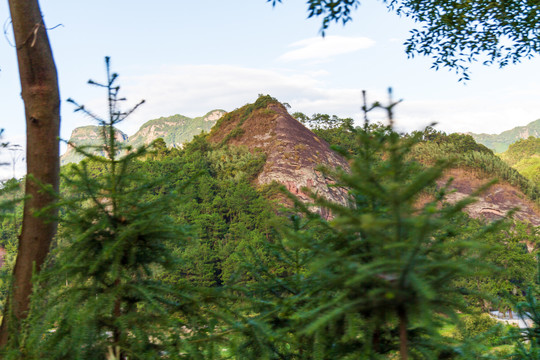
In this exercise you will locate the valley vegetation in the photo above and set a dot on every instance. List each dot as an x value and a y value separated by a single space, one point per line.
167 253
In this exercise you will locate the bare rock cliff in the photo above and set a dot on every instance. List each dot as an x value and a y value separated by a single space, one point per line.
87 136
495 202
293 151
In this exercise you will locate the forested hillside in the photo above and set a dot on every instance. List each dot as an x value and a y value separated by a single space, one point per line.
524 156
186 253
472 166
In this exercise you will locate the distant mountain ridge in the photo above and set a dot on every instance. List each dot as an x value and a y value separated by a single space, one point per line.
500 142
88 138
175 130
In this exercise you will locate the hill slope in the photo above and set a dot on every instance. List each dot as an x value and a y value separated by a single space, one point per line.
473 167
524 156
293 152
500 142
495 202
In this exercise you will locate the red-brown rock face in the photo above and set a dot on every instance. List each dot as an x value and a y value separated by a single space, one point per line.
495 202
293 152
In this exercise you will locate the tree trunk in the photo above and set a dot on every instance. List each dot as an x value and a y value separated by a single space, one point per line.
376 339
117 334
39 86
403 338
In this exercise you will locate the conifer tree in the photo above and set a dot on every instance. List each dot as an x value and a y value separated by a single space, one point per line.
101 295
377 279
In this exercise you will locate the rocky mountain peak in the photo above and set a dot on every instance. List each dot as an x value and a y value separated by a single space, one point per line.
87 136
214 115
293 152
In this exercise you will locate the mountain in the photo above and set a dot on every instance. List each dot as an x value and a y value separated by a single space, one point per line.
175 130
89 137
293 152
524 156
474 166
495 202
500 142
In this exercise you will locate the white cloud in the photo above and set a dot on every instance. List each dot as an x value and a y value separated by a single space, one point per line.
319 48
484 106
193 90
491 113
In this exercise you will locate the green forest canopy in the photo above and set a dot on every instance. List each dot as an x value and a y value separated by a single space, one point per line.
246 268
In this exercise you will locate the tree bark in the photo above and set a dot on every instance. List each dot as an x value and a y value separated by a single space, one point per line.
403 337
39 86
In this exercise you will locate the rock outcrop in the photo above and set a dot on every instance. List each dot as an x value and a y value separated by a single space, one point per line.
495 202
293 152
90 137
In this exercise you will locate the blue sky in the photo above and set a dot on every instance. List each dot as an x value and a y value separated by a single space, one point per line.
189 57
